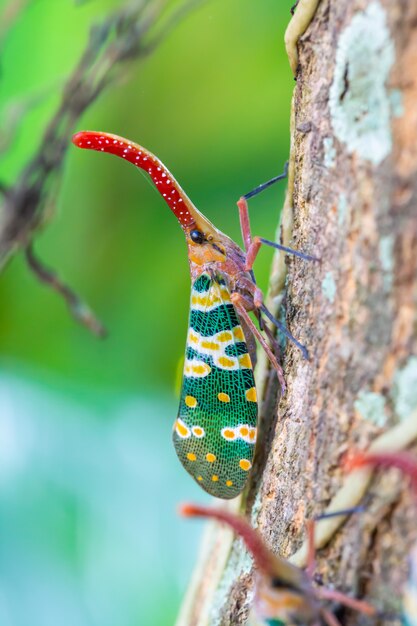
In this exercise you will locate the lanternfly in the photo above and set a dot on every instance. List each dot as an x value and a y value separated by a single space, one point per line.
284 593
215 431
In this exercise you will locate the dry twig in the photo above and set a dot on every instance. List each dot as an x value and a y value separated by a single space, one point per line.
130 34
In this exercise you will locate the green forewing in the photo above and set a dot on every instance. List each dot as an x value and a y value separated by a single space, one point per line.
215 431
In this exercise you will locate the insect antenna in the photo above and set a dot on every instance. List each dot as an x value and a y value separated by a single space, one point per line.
268 183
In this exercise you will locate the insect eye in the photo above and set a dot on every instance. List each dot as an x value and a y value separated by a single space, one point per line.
197 236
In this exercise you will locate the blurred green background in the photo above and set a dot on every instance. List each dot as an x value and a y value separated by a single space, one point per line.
89 481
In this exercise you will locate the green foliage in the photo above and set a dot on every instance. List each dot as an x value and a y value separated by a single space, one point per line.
212 102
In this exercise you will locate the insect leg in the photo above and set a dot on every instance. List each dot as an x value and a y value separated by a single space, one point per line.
271 337
285 331
329 618
253 244
243 207
253 249
337 596
237 300
278 246
258 301
342 512
251 286
310 531
244 223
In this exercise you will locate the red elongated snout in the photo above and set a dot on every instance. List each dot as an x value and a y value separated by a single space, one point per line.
263 557
175 197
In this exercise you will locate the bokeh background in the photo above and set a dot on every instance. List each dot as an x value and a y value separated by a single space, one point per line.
89 481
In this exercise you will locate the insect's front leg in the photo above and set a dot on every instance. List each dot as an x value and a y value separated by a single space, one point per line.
243 206
256 244
242 303
329 618
253 244
256 303
352 603
244 283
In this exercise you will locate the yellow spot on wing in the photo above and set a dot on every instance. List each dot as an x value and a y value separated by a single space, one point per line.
191 456
228 433
229 483
210 457
190 401
244 431
210 345
224 336
223 397
224 361
225 294
244 360
245 464
251 394
214 298
198 431
238 333
214 478
194 367
205 301
199 478
182 429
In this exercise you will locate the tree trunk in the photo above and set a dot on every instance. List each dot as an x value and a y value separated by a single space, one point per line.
352 202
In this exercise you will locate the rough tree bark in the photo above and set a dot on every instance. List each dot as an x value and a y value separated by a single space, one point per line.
352 199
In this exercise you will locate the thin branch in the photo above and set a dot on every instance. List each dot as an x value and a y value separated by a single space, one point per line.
79 310
10 14
129 34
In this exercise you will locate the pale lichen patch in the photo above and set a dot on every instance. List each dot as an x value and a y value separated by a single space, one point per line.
329 152
371 406
328 287
397 102
342 209
386 257
360 105
405 389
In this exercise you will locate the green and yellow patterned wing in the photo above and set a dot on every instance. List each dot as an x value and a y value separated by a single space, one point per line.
215 431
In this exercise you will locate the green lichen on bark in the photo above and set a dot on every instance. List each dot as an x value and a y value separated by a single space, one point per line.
360 103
